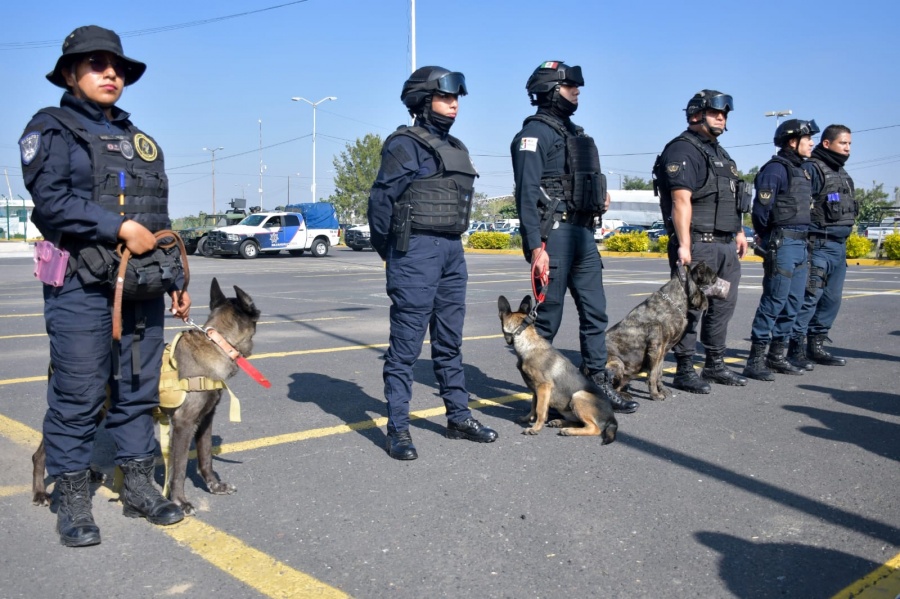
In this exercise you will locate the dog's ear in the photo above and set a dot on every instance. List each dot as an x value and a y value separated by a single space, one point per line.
216 297
503 306
246 303
525 306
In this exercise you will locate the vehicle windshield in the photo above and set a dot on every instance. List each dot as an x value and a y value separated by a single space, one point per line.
254 220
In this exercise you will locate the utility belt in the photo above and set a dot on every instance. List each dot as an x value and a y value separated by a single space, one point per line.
791 234
579 219
826 237
714 237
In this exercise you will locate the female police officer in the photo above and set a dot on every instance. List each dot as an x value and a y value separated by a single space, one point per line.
418 208
65 151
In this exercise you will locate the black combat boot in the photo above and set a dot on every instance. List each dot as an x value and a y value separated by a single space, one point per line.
74 520
797 354
619 403
141 498
472 430
776 361
756 363
817 352
715 371
686 377
400 445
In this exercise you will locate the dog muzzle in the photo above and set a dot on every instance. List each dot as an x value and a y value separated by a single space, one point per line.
718 289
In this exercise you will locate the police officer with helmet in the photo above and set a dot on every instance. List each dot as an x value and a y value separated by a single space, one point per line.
559 191
98 181
702 199
834 212
419 206
781 219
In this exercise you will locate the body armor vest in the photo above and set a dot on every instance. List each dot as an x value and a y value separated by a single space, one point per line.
715 204
129 165
792 205
583 186
442 201
828 211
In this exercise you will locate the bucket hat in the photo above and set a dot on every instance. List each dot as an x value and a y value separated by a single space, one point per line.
92 38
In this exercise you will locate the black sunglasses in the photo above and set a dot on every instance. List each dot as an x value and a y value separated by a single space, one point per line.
99 64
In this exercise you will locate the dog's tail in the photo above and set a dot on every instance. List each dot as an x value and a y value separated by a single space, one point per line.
608 433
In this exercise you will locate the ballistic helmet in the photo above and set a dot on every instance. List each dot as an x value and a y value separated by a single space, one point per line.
549 74
709 99
424 82
92 38
792 128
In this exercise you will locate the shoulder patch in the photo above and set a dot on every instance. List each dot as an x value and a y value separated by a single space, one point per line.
528 144
734 171
145 147
765 196
673 167
30 145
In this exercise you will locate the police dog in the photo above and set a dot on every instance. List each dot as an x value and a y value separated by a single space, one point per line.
640 341
235 319
554 381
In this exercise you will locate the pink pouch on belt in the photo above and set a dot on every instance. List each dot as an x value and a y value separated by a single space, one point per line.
50 263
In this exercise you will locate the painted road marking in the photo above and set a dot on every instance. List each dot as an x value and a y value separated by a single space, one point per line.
883 583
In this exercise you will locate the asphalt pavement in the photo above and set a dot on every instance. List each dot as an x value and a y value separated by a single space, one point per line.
781 489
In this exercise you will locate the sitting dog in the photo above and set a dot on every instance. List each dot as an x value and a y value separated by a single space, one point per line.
196 358
554 381
640 341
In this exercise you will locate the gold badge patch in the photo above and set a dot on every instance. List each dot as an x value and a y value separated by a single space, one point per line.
145 147
734 171
765 195
672 168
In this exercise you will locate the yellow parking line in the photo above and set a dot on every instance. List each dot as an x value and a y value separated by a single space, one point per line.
23 336
325 350
14 490
27 379
20 315
883 582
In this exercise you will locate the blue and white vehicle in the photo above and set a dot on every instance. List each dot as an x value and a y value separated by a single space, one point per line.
271 232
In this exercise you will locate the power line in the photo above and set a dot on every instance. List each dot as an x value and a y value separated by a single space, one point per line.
152 30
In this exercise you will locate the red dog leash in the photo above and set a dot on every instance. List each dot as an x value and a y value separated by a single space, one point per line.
230 351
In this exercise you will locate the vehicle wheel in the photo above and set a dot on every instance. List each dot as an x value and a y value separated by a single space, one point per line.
295 252
249 250
319 248
204 248
356 249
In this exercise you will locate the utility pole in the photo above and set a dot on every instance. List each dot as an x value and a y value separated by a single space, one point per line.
314 104
213 151
778 114
262 167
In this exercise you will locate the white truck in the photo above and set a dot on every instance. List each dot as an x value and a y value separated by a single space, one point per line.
886 227
272 232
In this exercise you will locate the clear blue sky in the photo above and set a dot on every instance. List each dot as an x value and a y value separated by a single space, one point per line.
209 84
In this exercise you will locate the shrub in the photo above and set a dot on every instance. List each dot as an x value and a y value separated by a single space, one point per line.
857 246
489 241
515 242
628 242
891 246
661 245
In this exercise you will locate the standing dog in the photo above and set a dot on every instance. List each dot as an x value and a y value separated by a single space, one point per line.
640 341
555 382
197 358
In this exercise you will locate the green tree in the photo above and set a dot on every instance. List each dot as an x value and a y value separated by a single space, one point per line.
750 176
636 183
490 209
355 170
872 202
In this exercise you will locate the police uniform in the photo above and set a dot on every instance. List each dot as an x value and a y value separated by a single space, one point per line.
781 219
539 155
703 167
59 170
834 212
424 191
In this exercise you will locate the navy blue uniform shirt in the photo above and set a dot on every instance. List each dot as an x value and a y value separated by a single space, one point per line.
59 176
537 151
772 179
685 165
403 160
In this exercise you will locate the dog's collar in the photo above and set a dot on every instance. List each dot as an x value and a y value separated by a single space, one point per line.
526 322
232 353
670 300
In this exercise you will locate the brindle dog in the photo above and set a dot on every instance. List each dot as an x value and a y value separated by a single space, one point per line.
555 382
640 341
235 318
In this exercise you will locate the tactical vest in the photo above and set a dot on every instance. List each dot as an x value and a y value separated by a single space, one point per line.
583 186
442 201
792 205
826 211
129 165
715 204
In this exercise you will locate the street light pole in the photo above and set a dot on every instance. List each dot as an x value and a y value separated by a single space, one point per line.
778 114
213 152
620 177
314 104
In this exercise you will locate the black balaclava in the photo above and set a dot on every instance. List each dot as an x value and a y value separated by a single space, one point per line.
791 155
438 121
834 160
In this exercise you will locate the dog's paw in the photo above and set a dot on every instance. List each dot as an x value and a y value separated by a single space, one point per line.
555 423
41 499
222 488
531 431
97 477
526 419
187 507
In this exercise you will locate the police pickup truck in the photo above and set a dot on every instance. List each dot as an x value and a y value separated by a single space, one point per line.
271 232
